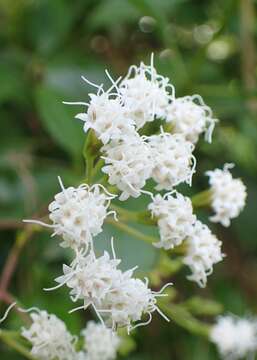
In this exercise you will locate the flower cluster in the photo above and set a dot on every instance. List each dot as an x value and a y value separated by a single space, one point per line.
49 337
190 116
51 340
235 337
131 158
203 251
228 195
175 218
101 343
118 298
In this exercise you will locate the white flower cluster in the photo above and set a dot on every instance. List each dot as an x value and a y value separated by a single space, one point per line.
116 115
173 161
101 343
118 298
78 214
190 116
49 338
228 195
175 218
145 94
128 164
130 159
203 251
235 337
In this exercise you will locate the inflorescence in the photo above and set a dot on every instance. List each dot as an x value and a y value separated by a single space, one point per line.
131 158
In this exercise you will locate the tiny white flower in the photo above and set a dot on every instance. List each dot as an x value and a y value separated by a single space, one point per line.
175 218
145 94
174 162
90 278
228 195
49 337
191 118
203 251
101 343
107 117
129 164
78 214
235 337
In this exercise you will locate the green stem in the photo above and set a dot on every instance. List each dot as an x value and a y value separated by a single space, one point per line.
6 337
131 231
99 164
183 318
142 217
90 153
202 199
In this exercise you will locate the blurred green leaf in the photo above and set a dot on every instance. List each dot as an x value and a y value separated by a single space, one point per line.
58 120
200 306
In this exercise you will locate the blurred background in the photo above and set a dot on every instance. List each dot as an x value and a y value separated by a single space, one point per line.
204 46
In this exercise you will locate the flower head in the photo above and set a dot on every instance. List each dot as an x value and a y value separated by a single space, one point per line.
107 116
203 251
101 343
78 213
173 160
235 337
49 337
145 94
129 164
175 218
228 195
191 117
90 278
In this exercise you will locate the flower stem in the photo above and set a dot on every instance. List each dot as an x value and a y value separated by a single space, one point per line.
142 217
90 153
202 198
183 318
7 338
131 231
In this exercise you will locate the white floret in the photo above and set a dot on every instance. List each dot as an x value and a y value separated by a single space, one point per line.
235 337
49 337
101 343
175 218
191 117
228 195
90 278
145 94
78 214
174 162
108 117
128 164
129 301
203 251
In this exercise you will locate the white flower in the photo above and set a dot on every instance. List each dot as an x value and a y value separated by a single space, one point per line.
228 195
174 162
190 118
145 94
129 164
90 278
101 343
129 301
203 251
78 214
175 218
235 337
49 337
107 117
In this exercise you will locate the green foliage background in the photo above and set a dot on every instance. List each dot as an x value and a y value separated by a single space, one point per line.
205 47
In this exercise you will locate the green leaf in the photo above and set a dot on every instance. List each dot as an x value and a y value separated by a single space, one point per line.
58 120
